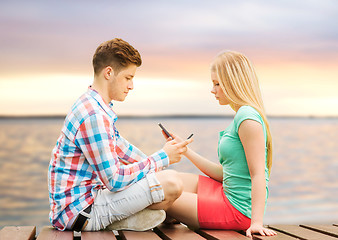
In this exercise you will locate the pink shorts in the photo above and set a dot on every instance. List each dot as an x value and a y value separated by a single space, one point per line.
214 209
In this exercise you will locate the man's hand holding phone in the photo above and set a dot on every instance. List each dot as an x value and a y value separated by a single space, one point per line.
175 146
175 150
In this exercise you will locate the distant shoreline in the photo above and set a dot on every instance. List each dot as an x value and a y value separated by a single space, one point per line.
178 116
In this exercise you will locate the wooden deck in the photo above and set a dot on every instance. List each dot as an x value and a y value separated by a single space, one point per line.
167 232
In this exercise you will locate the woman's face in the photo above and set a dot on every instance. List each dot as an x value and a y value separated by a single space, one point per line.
217 90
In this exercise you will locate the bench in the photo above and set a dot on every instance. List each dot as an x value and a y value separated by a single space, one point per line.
173 231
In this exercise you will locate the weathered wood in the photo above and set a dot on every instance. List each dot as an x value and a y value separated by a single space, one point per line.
18 233
279 236
326 229
176 231
172 232
220 234
50 233
301 233
101 235
130 235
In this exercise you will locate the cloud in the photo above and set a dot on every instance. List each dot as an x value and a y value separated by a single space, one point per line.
172 26
177 39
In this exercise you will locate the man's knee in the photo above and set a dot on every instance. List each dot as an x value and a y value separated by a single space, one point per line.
171 183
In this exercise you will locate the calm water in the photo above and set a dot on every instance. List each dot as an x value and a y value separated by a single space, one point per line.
303 182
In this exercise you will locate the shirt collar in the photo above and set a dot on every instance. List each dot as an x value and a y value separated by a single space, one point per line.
106 107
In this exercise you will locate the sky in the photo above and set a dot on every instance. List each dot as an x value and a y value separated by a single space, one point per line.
46 49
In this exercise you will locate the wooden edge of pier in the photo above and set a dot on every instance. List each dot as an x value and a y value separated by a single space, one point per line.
172 231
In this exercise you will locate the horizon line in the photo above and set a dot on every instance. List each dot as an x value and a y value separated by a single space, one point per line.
153 116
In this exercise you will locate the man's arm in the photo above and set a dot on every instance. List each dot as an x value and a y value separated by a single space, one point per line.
97 141
128 153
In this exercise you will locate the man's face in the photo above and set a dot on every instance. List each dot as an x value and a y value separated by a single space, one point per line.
120 84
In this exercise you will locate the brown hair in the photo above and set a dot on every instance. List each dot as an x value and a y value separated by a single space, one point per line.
116 53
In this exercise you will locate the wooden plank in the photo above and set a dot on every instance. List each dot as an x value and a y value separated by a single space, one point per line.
130 235
300 232
326 229
279 236
101 235
50 233
18 233
176 231
220 234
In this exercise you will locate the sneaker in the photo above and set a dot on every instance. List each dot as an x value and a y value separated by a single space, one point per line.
140 221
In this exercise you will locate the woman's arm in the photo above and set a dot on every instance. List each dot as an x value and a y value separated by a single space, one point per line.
213 170
252 138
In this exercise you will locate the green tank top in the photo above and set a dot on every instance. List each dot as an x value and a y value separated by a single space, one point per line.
236 175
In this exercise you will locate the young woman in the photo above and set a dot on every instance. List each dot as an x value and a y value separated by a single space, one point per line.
234 194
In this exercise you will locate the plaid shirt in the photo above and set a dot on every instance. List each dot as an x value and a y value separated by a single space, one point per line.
90 155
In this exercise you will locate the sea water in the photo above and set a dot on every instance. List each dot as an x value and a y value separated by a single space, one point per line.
303 183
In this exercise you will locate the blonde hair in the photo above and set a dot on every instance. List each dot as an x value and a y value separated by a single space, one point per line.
239 82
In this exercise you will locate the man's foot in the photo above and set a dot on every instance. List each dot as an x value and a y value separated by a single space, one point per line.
140 221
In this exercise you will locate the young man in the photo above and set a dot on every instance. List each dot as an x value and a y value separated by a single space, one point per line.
98 180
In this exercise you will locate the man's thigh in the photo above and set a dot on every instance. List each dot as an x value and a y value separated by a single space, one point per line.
109 206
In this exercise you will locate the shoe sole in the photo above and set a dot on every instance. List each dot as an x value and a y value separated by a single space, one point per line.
141 221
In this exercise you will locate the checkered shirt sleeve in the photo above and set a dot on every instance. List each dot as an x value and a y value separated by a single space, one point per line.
103 149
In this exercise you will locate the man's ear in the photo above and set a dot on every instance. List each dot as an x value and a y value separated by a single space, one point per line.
108 72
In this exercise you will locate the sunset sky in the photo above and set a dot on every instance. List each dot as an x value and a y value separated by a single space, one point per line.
46 49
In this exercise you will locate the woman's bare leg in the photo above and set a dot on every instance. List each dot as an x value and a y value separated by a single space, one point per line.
184 209
172 188
190 182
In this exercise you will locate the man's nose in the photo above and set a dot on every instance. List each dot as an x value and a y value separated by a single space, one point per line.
131 85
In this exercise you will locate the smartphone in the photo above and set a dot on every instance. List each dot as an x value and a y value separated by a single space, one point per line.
190 136
165 131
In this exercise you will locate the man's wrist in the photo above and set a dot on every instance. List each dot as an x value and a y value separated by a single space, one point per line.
161 159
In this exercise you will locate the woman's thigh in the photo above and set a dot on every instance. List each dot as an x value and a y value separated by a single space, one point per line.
190 182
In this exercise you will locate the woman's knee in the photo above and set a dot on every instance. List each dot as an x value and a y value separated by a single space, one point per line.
171 183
